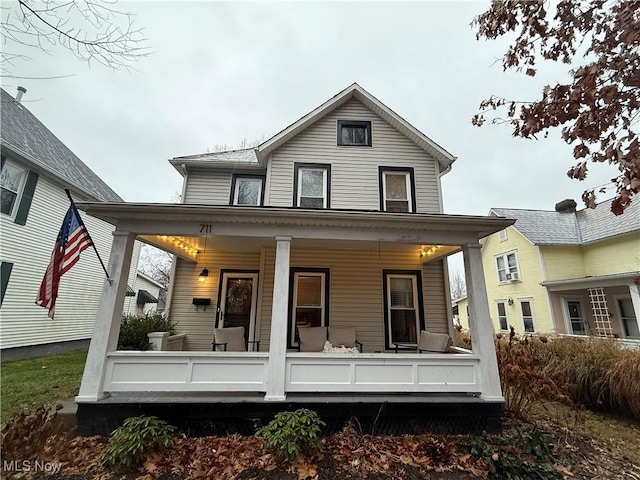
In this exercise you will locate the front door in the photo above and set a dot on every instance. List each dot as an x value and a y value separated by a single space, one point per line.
238 300
573 310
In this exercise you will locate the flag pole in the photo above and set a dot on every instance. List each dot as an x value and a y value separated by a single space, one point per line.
87 231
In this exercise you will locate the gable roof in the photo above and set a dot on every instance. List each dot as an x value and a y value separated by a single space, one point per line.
27 137
444 158
546 227
257 157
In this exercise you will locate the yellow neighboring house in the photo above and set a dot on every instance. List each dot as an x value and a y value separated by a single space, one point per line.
564 271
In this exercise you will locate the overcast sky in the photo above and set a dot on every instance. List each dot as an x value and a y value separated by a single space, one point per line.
220 73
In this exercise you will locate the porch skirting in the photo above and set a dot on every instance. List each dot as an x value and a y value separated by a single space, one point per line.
440 414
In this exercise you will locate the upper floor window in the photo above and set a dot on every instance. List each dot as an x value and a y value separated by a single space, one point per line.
397 189
311 185
502 235
247 190
12 179
507 265
354 132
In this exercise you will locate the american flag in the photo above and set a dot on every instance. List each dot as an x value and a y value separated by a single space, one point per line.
73 239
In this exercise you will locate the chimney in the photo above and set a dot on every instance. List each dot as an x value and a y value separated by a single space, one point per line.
21 90
566 206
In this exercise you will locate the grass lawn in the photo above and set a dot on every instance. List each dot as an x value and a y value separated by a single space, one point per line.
27 384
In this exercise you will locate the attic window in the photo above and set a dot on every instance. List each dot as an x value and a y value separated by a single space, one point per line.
354 133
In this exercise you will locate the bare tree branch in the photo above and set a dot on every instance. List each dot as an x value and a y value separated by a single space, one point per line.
93 31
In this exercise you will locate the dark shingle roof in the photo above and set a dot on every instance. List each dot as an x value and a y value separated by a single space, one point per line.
23 132
545 227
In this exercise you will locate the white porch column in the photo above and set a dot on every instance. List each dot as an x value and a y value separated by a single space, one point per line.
634 292
480 324
279 310
107 326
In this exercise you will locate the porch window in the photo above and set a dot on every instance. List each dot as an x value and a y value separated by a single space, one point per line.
311 185
527 316
403 306
309 300
503 320
573 310
507 265
397 191
628 317
247 190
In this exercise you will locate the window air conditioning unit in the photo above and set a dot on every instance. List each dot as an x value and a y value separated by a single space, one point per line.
512 277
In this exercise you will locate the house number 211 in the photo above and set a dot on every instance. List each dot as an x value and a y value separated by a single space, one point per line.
205 228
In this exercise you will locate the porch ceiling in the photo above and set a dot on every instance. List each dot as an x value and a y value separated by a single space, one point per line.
268 222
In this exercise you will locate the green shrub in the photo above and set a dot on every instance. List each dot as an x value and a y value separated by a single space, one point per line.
290 433
137 436
134 330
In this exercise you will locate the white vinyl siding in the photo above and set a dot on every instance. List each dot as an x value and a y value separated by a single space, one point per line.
23 322
354 171
211 187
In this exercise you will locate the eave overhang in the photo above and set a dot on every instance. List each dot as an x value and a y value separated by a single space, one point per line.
613 280
189 219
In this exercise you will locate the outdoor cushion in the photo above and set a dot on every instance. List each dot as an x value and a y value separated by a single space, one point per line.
312 338
342 336
232 336
433 342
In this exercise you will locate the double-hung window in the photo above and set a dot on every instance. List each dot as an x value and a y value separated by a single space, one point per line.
309 299
12 178
247 190
18 187
312 185
507 265
397 191
403 306
503 320
355 133
527 316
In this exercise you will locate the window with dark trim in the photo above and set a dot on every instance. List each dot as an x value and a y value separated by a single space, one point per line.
312 185
5 273
397 189
247 190
354 133
403 307
308 300
18 186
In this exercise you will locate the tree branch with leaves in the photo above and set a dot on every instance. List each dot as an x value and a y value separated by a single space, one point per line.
599 110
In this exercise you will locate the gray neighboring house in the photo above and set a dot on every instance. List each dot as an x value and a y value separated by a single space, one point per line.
36 168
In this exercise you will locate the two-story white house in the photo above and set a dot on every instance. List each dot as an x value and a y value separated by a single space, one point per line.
336 222
36 168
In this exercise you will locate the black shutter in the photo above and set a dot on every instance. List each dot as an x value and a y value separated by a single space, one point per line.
5 273
27 197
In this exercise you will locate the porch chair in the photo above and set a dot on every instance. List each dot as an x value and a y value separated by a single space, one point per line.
434 342
312 339
230 339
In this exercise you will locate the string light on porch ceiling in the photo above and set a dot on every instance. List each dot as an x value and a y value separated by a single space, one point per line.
430 250
189 249
205 271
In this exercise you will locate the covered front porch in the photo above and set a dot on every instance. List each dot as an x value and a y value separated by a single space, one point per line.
363 261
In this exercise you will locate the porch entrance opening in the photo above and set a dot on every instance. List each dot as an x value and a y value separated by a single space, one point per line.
238 300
